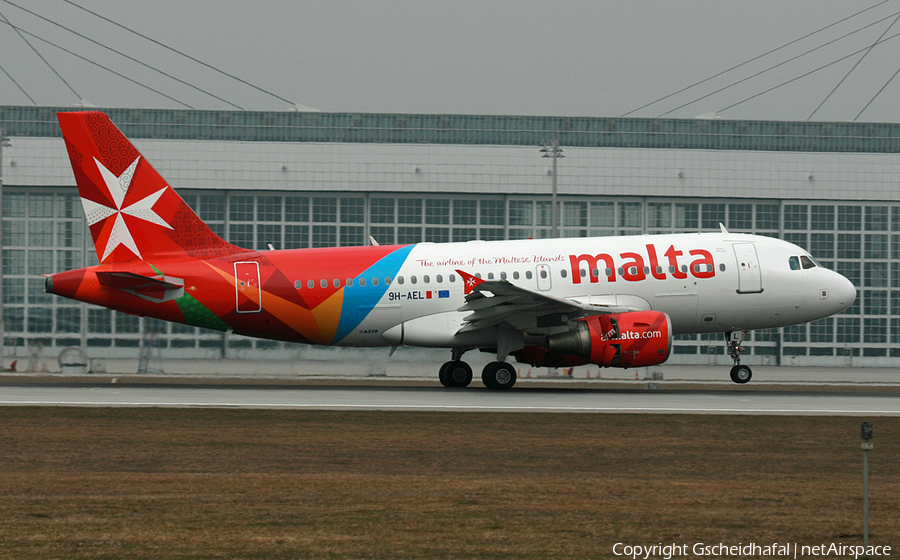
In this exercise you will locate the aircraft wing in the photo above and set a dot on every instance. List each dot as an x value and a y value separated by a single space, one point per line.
495 302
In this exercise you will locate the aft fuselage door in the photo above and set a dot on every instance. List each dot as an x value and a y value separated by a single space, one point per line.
247 288
543 277
749 274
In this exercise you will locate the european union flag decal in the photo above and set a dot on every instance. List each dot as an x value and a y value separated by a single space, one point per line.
444 293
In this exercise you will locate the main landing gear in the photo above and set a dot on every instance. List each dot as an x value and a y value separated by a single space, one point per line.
455 373
495 375
498 375
739 374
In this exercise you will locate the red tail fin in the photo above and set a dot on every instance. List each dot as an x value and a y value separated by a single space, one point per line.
132 212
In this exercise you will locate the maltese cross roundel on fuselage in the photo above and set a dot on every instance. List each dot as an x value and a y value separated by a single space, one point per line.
117 188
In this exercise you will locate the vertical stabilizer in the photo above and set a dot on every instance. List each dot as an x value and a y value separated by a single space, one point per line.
133 214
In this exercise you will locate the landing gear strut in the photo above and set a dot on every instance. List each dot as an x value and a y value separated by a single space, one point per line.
739 374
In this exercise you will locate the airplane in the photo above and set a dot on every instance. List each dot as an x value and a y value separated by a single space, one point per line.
608 301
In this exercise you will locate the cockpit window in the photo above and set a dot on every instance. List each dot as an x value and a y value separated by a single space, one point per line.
803 262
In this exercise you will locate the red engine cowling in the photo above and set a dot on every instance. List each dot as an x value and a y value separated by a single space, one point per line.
634 339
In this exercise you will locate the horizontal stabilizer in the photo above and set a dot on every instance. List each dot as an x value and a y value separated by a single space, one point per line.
131 281
155 288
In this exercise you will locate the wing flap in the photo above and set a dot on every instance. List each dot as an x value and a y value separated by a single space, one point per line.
476 303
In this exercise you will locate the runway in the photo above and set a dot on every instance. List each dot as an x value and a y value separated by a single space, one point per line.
519 400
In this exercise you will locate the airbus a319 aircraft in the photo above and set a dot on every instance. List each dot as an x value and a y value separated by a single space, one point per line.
609 301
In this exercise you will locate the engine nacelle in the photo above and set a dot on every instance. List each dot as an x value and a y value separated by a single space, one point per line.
633 339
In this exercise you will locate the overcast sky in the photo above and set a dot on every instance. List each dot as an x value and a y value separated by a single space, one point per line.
550 57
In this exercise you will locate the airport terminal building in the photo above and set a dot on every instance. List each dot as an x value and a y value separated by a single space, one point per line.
308 179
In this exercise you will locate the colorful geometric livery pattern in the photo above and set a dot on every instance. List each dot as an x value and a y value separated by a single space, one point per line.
158 259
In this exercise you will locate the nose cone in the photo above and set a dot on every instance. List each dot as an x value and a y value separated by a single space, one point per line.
844 291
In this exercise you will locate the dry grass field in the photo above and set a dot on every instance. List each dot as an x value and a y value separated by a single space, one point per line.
201 483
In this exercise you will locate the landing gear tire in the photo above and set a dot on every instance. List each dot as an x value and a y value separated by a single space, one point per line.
455 373
741 374
498 375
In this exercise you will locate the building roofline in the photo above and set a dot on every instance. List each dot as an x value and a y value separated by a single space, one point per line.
398 128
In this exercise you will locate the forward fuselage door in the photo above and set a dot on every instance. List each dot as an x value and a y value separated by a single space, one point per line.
749 274
247 288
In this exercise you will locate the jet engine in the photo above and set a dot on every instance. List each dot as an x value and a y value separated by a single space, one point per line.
633 339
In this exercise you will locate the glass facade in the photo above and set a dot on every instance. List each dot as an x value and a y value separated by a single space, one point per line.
44 232
506 130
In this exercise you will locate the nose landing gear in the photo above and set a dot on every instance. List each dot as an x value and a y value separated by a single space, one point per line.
739 374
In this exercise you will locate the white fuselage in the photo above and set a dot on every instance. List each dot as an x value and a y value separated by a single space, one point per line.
706 282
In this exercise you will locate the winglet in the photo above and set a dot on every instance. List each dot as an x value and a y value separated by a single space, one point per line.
469 282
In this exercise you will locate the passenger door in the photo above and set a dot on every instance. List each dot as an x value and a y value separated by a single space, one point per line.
749 275
247 289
